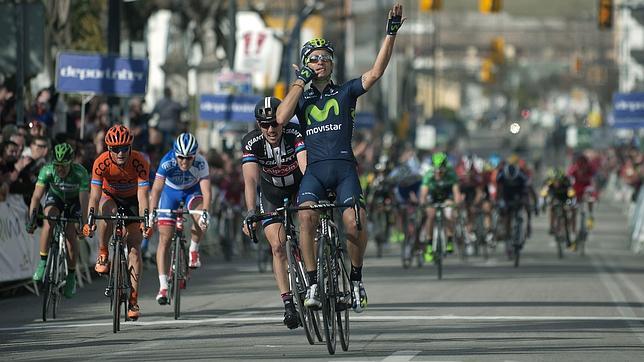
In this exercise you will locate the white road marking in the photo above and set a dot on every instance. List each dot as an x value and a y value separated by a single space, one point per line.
357 319
401 356
611 283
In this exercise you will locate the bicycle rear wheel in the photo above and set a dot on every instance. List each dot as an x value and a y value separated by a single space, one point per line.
326 287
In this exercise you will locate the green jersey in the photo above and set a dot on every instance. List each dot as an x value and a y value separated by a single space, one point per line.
67 188
440 190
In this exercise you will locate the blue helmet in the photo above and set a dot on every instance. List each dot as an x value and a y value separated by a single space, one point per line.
185 145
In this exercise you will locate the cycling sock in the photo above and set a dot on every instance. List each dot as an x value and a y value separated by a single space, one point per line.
287 298
356 273
194 246
313 276
43 256
163 281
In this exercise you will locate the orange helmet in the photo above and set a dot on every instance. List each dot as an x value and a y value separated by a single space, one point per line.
118 135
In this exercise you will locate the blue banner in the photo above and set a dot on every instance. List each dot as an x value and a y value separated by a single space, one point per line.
228 107
628 110
101 74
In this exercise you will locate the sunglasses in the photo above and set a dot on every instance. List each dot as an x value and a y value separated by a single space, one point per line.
185 157
61 164
120 149
273 124
321 57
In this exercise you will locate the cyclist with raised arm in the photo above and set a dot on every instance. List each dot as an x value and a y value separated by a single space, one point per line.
440 185
120 179
183 175
326 112
274 159
65 183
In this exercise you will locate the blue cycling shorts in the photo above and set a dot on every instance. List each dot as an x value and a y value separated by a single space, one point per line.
340 176
170 199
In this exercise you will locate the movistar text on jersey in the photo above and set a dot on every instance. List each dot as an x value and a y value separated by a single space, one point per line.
323 128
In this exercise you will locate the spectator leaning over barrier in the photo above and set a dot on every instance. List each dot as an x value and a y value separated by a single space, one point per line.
67 186
28 166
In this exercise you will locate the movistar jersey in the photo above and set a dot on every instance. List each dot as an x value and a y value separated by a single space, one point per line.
326 120
177 179
67 188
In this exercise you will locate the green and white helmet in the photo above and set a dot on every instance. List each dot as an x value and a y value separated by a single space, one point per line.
63 153
313 44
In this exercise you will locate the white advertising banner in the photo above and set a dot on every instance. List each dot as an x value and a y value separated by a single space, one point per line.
258 51
18 250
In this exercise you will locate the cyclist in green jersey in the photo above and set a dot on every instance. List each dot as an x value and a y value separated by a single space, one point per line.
440 185
67 185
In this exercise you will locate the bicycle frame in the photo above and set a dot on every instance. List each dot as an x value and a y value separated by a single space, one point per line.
118 285
178 272
56 266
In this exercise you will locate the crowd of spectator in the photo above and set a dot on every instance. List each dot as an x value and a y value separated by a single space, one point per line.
26 145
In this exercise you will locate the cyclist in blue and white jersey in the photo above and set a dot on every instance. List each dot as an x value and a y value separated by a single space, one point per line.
326 112
182 175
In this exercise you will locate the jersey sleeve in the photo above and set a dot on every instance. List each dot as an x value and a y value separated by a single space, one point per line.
143 173
203 169
248 154
44 176
298 141
83 178
162 170
100 165
355 87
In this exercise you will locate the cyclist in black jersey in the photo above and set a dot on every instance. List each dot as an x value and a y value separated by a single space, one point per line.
326 112
274 159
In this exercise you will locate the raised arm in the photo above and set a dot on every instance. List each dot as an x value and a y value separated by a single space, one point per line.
394 22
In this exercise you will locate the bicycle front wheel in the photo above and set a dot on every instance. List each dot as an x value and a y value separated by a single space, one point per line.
326 287
298 287
60 274
48 284
178 275
344 293
116 287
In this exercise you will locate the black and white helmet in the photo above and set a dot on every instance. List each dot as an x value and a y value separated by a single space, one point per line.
266 109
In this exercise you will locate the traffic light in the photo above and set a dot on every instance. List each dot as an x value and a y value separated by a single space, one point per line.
605 15
498 50
431 5
490 6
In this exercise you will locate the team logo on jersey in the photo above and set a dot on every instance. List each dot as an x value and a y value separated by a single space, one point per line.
321 115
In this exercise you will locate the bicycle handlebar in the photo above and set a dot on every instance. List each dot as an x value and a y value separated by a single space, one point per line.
249 221
92 217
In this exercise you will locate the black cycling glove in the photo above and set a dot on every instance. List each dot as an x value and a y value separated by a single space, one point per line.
305 74
393 24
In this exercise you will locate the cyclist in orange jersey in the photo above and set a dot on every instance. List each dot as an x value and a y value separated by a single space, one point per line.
120 178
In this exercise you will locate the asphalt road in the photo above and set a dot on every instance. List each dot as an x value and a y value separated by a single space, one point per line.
576 309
